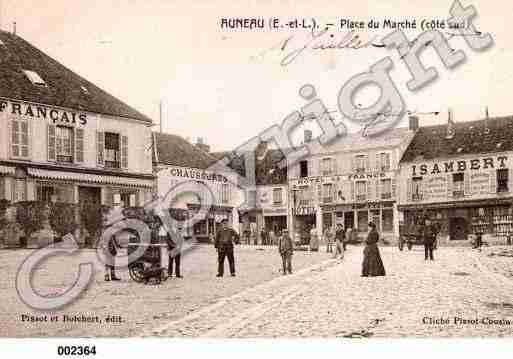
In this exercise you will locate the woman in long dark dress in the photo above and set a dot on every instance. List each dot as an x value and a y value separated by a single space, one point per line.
372 264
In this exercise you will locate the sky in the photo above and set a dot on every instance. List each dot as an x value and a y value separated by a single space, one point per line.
228 85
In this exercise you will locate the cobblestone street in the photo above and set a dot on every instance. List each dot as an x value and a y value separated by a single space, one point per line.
140 306
323 298
332 300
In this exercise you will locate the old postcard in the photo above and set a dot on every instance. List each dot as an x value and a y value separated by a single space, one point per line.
255 169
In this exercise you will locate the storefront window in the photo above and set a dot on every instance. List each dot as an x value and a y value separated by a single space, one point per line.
327 220
376 218
200 228
388 220
363 221
47 192
20 190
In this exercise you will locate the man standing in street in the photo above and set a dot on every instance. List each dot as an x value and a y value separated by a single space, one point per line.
286 249
174 253
429 235
340 237
225 239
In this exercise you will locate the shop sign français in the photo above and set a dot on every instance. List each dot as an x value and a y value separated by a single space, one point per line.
55 115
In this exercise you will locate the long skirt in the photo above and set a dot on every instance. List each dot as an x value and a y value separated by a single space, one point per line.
372 264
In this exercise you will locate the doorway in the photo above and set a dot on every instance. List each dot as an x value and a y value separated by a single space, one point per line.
458 229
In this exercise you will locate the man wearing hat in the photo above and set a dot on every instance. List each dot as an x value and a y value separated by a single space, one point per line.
429 235
286 249
225 238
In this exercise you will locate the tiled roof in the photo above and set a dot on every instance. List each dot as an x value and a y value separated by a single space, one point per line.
354 142
267 169
482 136
173 150
64 86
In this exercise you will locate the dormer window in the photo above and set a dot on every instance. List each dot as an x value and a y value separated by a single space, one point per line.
85 91
34 78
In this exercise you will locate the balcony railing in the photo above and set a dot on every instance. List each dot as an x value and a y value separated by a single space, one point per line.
387 195
458 194
361 197
416 197
305 202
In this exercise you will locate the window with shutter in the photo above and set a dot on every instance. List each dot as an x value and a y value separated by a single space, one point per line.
20 138
124 152
51 143
100 147
79 145
64 144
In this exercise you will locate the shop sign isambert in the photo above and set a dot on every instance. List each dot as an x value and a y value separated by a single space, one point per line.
462 165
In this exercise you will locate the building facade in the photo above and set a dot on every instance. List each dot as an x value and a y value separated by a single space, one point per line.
62 139
460 176
187 182
351 181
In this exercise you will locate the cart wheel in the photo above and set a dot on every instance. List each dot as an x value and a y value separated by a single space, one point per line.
164 276
410 245
136 272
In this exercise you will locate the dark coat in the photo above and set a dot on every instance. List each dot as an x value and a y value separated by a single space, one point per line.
285 245
429 234
225 238
340 235
372 264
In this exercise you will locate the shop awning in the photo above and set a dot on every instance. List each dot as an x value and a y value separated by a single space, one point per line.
90 178
6 170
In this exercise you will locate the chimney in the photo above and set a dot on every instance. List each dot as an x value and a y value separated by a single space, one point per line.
308 136
414 123
201 145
